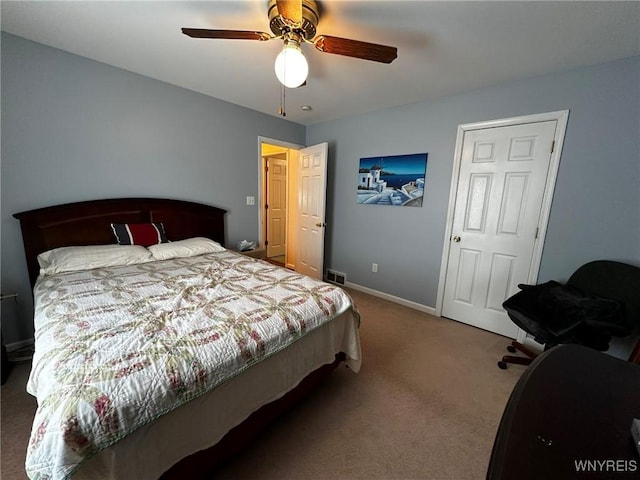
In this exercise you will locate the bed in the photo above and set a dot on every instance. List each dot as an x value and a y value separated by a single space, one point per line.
165 365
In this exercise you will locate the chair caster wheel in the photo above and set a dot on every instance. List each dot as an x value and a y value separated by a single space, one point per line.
502 365
511 348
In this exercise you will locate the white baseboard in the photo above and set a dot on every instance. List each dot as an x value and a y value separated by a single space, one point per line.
11 347
392 298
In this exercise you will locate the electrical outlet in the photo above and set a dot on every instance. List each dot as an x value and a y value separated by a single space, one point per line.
374 267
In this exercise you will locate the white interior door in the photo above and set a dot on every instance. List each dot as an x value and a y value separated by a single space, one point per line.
312 183
276 206
501 194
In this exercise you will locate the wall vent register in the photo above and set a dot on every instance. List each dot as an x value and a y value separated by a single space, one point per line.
336 277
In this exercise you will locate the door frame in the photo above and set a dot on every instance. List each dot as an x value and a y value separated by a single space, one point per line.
561 117
261 179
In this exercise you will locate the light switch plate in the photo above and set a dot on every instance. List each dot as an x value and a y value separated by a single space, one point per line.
251 200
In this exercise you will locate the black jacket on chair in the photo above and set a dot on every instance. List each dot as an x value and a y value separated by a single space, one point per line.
555 313
600 300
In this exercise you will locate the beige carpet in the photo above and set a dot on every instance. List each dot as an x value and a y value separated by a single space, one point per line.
426 405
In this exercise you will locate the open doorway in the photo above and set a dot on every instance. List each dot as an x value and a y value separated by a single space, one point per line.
275 195
304 198
278 201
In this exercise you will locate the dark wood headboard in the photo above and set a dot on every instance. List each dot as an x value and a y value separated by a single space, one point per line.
89 223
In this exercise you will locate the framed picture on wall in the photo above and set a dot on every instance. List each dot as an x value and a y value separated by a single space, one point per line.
396 181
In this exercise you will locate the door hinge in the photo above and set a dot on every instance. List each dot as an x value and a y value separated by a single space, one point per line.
266 206
266 242
553 145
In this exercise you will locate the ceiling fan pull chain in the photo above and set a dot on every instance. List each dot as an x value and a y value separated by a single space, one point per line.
282 101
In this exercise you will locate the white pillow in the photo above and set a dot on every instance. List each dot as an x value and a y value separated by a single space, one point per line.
184 248
71 259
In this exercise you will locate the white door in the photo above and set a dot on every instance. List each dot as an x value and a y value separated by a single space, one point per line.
312 183
276 206
497 217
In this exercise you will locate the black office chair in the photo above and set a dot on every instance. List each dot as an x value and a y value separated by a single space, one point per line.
599 301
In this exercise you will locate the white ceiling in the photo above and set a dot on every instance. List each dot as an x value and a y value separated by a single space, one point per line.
444 47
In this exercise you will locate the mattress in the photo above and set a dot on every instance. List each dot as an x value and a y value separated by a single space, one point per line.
138 366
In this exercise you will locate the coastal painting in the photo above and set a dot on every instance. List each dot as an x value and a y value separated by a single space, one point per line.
397 180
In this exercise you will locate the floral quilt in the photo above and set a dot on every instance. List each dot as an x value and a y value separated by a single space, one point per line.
118 347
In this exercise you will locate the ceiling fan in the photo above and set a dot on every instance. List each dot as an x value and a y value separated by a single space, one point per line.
295 22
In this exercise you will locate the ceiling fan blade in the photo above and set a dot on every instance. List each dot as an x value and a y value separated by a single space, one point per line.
291 10
226 34
356 49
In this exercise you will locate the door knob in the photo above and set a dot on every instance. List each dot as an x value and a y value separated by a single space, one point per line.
456 239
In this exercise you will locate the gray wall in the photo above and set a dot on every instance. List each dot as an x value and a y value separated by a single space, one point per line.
74 129
596 207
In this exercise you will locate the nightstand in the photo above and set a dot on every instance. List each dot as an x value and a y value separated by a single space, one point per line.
5 366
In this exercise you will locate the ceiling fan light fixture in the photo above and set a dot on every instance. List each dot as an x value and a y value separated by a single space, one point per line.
291 65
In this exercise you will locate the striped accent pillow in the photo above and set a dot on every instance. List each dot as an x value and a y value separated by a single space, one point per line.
144 234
